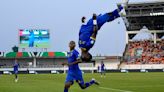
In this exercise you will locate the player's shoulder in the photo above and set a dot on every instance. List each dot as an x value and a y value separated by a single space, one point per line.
75 51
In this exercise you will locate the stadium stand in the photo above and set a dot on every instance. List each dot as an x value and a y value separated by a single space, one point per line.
145 52
144 49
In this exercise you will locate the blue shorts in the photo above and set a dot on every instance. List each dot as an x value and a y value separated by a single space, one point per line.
102 71
87 44
71 76
15 72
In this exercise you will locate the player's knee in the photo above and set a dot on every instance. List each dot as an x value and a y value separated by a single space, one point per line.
67 86
82 86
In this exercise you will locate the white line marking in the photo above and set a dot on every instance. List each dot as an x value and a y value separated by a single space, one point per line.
119 90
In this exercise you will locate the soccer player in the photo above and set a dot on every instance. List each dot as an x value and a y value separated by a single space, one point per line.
102 69
0 67
74 72
40 35
88 31
16 66
31 39
98 69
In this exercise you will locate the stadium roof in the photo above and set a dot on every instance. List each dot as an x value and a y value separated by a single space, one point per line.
144 34
149 14
147 2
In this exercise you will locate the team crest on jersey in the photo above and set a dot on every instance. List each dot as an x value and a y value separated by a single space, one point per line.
70 54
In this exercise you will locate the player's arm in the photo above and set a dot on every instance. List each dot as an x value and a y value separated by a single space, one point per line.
73 63
95 26
76 62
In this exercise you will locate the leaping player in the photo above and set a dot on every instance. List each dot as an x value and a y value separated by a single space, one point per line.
88 31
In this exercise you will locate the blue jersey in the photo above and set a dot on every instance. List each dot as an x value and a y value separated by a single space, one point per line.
31 36
86 31
74 72
72 57
102 67
31 39
16 65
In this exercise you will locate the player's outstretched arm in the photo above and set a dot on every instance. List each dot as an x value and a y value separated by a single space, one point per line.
69 64
95 26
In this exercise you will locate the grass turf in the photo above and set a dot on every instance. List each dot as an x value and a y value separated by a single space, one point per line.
114 82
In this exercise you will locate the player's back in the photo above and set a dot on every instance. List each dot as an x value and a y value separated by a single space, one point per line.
85 32
72 57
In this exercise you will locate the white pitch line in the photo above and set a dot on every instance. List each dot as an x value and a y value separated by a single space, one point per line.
119 90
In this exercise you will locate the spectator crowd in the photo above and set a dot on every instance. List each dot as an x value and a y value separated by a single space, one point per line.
145 52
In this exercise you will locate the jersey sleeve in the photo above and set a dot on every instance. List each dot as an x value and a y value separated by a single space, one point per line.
76 54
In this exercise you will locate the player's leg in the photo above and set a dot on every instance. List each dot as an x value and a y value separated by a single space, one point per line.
16 76
104 73
87 84
32 44
124 5
67 86
107 17
68 82
101 73
81 83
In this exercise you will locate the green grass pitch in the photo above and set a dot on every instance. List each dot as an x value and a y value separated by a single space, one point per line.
113 82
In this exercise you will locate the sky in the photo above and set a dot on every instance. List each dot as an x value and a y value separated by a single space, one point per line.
63 19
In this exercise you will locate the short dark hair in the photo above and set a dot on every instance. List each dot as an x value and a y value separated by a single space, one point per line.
72 42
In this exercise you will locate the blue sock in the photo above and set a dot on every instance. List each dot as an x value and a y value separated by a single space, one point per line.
115 14
92 82
87 84
121 7
65 90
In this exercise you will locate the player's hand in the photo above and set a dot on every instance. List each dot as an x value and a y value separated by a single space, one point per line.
64 63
